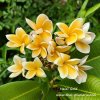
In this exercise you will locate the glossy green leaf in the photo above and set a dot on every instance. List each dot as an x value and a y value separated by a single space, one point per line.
92 9
20 90
90 90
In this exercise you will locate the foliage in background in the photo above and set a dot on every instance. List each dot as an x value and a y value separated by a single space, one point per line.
12 15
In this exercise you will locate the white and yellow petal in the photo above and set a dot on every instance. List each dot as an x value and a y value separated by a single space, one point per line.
22 50
73 61
20 33
40 73
64 57
63 27
60 41
31 24
86 67
37 62
77 23
82 47
72 72
43 52
13 75
13 38
85 27
80 33
61 34
28 65
81 78
46 36
47 25
40 20
12 45
17 60
59 61
71 39
63 71
36 53
14 68
83 60
52 58
90 36
63 48
30 74
33 46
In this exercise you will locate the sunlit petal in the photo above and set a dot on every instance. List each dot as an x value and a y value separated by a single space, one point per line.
63 70
36 53
61 34
82 47
72 72
37 62
14 68
81 78
11 44
64 57
31 24
46 36
86 27
30 74
17 60
86 67
83 60
40 20
79 32
52 58
22 50
71 39
73 61
40 73
26 39
59 61
13 38
60 41
63 27
32 46
43 52
63 48
89 37
20 33
77 23
47 25
28 65
13 75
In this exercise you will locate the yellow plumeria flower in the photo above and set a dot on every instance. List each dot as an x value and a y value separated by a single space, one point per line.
43 26
82 76
71 33
54 50
34 68
38 47
17 68
66 66
20 39
82 45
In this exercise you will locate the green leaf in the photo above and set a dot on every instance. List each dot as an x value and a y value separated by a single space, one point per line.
90 88
48 92
51 95
92 9
4 52
82 11
20 90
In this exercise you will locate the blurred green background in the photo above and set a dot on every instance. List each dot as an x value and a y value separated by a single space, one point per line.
13 13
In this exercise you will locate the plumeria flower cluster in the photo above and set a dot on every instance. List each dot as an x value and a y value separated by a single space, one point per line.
55 50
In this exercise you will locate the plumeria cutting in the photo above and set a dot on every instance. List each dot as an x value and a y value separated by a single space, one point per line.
48 47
